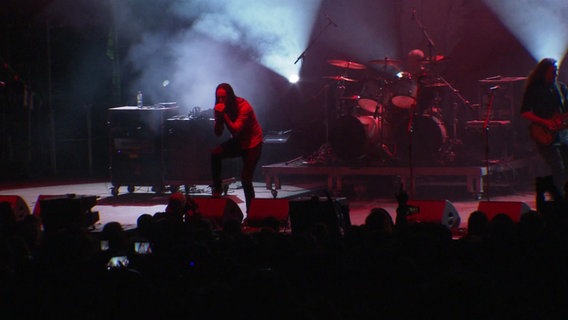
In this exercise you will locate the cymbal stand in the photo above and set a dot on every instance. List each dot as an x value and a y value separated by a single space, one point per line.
380 114
410 133
339 92
455 120
486 131
461 98
326 112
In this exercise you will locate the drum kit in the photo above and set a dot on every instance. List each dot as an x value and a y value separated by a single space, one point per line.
381 117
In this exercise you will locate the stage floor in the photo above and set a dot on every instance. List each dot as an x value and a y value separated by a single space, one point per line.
127 207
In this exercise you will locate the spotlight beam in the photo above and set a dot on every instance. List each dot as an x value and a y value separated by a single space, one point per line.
272 30
539 25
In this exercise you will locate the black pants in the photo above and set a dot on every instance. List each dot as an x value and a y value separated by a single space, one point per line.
232 149
556 156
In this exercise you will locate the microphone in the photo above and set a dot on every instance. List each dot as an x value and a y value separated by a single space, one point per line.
413 14
330 20
494 88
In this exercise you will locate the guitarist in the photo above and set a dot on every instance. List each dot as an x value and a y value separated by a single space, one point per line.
544 104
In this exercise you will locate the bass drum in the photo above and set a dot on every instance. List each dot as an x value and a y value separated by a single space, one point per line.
428 139
354 137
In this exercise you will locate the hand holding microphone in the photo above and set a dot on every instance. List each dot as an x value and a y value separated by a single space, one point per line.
220 107
219 111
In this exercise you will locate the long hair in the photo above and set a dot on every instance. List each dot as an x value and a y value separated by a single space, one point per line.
536 77
231 102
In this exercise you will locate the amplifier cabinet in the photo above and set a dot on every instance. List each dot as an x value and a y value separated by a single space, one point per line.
136 137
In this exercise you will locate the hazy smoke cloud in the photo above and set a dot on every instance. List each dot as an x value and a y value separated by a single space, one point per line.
219 41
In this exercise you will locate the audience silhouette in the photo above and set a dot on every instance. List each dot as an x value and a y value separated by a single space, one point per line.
382 269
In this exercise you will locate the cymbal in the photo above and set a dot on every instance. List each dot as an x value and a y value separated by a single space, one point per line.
340 78
386 62
501 79
346 64
435 59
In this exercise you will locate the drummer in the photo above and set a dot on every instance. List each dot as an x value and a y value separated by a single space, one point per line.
415 65
412 78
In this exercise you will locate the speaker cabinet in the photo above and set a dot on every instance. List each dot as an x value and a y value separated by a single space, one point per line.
218 210
513 209
67 211
136 143
305 214
37 207
434 211
261 209
18 205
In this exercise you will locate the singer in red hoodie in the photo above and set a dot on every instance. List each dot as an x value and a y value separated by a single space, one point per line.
237 115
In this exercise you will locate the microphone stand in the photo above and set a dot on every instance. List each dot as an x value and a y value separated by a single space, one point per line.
463 100
456 92
303 54
431 44
486 131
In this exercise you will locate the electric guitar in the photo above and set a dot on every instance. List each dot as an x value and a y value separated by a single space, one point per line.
544 135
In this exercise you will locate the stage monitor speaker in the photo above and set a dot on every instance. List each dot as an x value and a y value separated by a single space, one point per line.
67 211
261 209
306 213
37 208
435 211
18 205
218 210
514 209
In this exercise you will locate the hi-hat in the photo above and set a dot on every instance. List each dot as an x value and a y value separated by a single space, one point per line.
347 64
340 78
386 62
